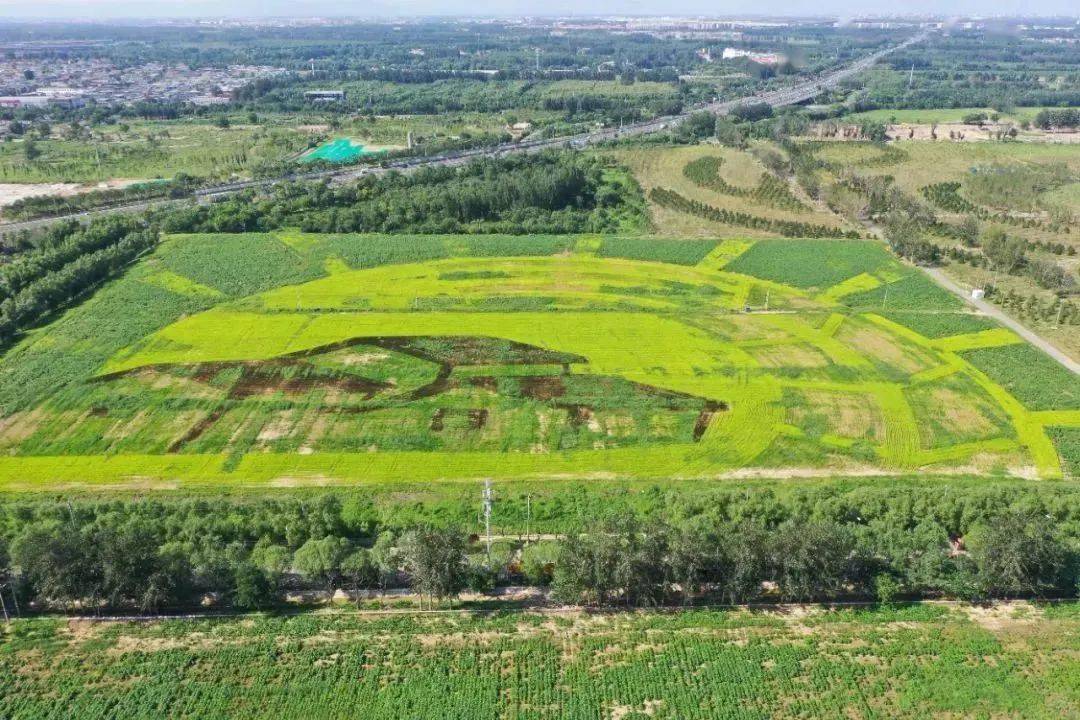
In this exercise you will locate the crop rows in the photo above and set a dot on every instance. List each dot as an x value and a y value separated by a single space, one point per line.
696 664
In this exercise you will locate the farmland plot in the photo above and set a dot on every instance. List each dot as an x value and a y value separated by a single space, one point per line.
338 358
917 662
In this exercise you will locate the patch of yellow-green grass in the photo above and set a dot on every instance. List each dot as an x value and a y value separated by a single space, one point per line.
859 283
893 352
1057 418
995 337
181 285
739 435
588 244
799 330
962 451
1029 428
671 327
832 325
902 444
724 253
335 265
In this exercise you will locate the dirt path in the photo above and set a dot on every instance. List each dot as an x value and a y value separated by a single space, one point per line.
984 306
988 308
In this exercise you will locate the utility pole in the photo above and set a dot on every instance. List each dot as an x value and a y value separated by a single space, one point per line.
911 76
537 59
488 498
528 518
886 298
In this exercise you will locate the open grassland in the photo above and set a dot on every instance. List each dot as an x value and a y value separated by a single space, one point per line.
913 662
1045 167
741 173
150 150
292 359
162 149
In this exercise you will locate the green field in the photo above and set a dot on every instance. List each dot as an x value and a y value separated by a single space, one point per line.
918 662
297 359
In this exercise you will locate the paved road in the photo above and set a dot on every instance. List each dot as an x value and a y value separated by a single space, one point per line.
993 311
777 98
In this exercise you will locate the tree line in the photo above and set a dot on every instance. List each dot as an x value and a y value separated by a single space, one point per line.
1058 118
813 545
547 193
67 261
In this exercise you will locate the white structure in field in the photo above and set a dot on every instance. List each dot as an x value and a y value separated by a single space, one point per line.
977 293
760 58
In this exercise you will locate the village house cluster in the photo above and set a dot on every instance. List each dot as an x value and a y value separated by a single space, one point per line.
33 82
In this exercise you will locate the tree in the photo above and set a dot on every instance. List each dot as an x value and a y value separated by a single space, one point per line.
386 557
273 560
435 559
1017 553
538 562
968 230
752 111
812 561
359 571
618 561
57 564
170 582
320 560
1006 253
904 234
136 571
745 558
251 588
728 132
698 126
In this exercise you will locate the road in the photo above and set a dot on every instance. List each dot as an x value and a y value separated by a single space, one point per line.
777 98
989 309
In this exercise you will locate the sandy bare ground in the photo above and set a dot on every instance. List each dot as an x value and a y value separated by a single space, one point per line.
11 192
963 132
960 132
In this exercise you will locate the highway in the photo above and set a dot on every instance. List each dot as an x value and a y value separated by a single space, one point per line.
793 95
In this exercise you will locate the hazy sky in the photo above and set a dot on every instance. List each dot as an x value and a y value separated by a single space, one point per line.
293 8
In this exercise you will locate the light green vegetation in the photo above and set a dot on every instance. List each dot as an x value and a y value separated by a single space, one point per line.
910 662
298 359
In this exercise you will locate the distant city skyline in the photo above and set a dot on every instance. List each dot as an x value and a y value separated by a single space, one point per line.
109 9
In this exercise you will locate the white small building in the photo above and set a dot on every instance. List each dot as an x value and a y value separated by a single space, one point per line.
977 293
